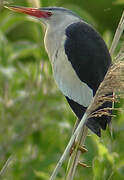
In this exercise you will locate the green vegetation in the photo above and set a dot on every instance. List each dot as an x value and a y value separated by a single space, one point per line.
35 119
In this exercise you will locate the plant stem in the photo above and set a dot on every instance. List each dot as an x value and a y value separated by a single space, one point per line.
67 150
118 34
81 124
81 139
6 165
115 41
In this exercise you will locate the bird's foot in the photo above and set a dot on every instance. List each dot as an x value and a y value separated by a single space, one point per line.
83 164
80 148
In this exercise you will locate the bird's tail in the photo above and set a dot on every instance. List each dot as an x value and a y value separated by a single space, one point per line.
95 124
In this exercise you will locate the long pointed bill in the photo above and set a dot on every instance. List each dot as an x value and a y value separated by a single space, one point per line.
30 11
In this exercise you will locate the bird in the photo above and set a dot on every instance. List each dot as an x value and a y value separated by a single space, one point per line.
79 57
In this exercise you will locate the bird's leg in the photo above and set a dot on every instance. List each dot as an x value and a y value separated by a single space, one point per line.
80 148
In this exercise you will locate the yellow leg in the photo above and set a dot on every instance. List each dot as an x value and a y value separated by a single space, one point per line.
80 148
83 164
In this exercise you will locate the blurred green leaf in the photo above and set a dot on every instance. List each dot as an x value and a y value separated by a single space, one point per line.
35 120
42 175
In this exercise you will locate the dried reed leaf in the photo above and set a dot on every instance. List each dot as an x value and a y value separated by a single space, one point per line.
112 83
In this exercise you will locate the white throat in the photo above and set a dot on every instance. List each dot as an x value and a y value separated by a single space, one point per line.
55 35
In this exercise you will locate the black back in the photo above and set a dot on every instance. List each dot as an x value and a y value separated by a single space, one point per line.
87 53
90 59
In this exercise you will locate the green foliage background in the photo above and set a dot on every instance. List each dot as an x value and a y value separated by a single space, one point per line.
35 119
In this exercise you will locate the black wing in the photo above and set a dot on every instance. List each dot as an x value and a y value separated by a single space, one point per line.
90 59
87 53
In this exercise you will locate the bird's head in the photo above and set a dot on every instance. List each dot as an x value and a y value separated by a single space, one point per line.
48 15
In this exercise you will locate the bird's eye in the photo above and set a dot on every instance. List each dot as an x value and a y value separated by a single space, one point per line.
49 14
